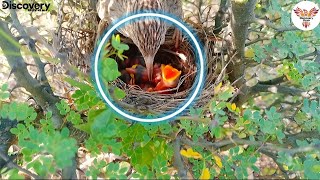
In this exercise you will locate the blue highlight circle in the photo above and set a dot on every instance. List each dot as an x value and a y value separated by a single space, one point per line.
200 77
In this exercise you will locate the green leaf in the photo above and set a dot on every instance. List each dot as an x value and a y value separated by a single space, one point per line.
119 93
12 115
115 42
4 87
4 95
111 129
110 70
195 112
14 174
74 117
280 135
312 168
65 132
124 170
83 86
92 114
63 107
101 121
14 131
302 143
217 131
48 114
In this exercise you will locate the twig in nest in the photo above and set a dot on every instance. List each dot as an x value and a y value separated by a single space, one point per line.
132 107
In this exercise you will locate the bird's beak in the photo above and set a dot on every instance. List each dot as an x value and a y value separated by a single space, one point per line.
170 75
149 66
170 78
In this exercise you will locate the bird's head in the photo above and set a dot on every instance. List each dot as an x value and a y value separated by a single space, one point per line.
149 65
148 35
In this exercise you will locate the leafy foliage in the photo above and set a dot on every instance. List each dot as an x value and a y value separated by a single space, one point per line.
218 140
54 148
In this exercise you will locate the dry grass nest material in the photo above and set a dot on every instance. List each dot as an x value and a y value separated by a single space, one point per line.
81 42
155 102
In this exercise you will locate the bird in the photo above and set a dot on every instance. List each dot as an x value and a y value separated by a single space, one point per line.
165 77
139 74
147 34
169 78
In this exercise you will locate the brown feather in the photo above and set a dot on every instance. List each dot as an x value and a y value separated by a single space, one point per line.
146 34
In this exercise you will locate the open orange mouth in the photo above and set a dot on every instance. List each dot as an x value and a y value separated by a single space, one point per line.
169 73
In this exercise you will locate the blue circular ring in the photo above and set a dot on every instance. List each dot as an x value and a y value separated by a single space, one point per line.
200 80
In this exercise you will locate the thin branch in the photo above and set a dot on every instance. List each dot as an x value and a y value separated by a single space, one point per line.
194 118
274 81
274 158
316 52
178 163
40 92
302 149
301 136
282 89
31 45
11 164
257 40
273 26
261 145
220 16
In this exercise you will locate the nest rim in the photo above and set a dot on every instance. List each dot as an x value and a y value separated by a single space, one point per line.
157 103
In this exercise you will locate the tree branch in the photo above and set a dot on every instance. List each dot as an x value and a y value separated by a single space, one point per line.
6 137
274 81
39 92
274 158
257 40
241 12
31 45
316 53
219 17
282 89
43 96
273 26
11 164
260 145
178 163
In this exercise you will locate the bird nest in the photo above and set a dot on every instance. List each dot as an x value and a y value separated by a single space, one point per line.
139 100
80 44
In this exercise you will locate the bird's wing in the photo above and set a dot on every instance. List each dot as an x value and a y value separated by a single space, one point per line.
299 12
313 12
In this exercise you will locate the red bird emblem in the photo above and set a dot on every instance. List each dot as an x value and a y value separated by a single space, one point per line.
305 15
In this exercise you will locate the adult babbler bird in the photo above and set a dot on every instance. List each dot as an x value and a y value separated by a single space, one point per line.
147 34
